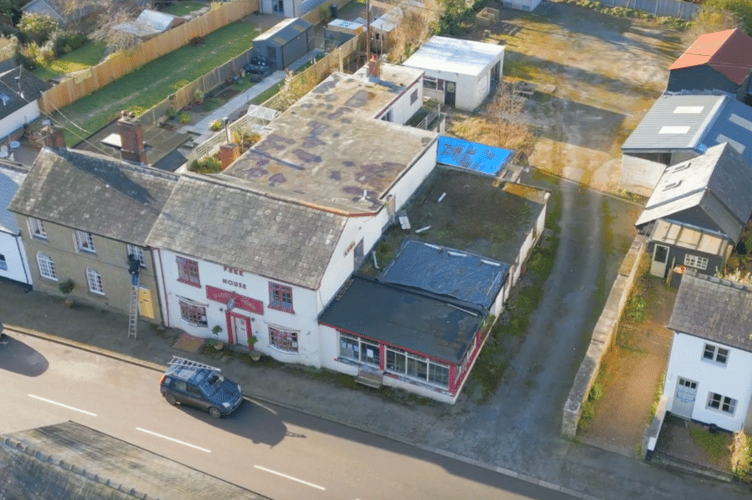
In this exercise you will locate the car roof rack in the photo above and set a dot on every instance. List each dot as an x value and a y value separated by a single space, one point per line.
187 363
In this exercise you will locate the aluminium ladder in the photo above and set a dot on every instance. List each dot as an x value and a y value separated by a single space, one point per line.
187 363
133 317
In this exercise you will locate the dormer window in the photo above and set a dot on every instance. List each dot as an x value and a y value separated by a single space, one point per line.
36 228
83 241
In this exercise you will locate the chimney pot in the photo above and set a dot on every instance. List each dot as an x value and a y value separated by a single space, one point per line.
131 140
228 153
53 137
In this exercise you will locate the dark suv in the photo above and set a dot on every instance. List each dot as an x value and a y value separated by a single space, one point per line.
202 386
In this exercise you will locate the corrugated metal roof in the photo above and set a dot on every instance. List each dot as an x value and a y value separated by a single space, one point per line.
419 322
446 271
714 309
453 55
472 155
718 183
693 122
728 52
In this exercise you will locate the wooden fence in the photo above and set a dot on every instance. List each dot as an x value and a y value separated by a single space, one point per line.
662 8
104 73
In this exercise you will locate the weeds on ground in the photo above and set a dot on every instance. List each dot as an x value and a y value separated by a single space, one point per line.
588 407
656 399
669 22
715 444
741 457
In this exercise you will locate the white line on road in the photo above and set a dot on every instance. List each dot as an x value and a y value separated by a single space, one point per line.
61 404
173 440
290 477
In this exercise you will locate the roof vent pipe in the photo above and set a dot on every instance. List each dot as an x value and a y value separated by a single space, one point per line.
226 123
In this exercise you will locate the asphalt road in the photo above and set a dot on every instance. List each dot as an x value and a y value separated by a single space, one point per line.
273 451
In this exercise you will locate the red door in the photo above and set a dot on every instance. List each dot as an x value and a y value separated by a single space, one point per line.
238 328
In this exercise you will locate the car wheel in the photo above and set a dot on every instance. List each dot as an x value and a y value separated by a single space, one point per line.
171 399
214 412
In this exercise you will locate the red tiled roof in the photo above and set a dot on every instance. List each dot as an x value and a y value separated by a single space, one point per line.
728 52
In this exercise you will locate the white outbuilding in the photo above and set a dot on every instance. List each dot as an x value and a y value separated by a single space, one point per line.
459 73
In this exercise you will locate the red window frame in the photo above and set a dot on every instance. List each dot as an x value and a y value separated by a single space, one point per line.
280 297
188 271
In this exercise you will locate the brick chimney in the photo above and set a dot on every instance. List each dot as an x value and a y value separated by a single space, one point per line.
131 138
228 153
53 137
374 67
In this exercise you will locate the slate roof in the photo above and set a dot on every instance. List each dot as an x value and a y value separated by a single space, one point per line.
11 177
149 23
718 183
94 193
47 463
447 272
728 52
17 96
454 55
237 227
693 122
714 309
438 328
328 149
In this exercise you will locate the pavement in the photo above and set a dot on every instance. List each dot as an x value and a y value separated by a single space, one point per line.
580 470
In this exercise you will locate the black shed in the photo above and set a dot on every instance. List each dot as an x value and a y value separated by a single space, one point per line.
285 43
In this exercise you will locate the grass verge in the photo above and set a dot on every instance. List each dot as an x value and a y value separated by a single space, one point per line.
183 8
140 90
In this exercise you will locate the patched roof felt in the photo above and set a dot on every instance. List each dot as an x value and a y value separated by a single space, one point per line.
714 309
420 322
14 95
94 193
238 227
718 182
446 271
728 52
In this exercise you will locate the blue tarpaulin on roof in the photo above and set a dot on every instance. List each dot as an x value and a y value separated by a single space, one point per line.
445 271
472 156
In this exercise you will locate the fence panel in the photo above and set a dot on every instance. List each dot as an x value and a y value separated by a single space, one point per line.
662 8
115 67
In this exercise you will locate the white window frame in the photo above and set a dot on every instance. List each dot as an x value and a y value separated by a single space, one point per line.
185 304
716 354
137 252
84 242
288 344
358 353
46 266
430 83
695 261
721 403
36 228
416 367
94 281
3 263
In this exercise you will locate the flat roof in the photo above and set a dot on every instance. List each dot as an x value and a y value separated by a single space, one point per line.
446 271
418 322
472 155
327 150
454 55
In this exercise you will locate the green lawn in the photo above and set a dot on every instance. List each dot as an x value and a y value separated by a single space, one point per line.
88 55
140 90
183 8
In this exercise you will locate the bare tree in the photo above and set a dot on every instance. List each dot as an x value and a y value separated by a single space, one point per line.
414 28
509 124
711 20
109 15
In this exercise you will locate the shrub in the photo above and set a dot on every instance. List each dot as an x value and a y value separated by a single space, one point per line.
206 165
66 286
37 27
171 113
32 55
216 125
184 118
64 42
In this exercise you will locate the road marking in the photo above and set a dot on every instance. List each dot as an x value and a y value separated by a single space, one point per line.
173 440
290 477
61 404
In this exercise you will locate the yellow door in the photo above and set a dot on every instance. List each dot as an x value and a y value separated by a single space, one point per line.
145 306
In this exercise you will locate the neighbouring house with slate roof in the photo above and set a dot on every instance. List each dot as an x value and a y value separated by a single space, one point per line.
74 462
681 127
715 61
13 262
697 211
18 99
82 215
709 373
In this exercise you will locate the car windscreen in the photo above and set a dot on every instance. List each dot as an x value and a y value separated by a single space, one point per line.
213 382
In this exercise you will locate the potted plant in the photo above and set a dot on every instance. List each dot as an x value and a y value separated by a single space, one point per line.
255 355
216 329
65 288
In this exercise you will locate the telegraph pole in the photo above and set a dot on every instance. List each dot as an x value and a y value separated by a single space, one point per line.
368 31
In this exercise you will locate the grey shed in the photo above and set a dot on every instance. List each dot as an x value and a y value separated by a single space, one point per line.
285 43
